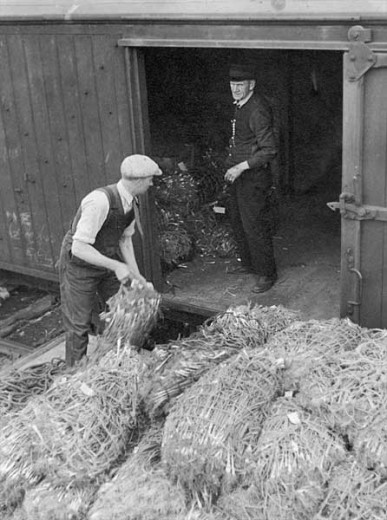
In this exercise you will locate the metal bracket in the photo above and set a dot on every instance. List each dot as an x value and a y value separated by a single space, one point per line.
360 57
352 304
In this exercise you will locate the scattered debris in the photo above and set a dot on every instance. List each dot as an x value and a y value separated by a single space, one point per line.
4 294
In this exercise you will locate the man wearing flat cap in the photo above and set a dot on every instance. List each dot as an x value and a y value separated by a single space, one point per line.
252 148
97 252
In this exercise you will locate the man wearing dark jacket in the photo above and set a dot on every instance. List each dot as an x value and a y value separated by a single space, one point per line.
252 147
97 252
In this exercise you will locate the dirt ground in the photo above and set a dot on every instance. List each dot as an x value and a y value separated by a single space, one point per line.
23 293
29 316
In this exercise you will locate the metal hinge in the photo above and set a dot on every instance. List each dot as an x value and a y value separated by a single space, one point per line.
352 211
354 304
360 57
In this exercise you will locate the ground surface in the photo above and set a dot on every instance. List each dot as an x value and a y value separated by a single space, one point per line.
29 315
30 332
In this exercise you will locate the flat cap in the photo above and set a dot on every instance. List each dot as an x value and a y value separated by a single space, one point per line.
138 166
242 71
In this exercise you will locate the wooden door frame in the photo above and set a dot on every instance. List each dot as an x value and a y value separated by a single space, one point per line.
282 37
147 246
356 63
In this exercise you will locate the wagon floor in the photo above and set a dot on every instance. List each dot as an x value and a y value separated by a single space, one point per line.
307 249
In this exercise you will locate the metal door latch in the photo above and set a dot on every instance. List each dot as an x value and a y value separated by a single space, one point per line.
349 209
352 211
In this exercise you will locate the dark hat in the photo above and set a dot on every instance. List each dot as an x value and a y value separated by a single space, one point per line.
242 72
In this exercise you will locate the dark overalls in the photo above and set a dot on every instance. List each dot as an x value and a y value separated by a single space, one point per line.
81 283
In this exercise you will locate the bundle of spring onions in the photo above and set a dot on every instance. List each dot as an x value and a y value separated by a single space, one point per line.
178 364
17 386
140 488
177 187
353 492
212 428
251 325
317 337
133 312
44 502
78 428
349 390
293 459
175 245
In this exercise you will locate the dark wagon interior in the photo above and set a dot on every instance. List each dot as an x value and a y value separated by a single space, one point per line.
189 107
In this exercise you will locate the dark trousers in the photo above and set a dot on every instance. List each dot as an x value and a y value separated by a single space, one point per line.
80 287
251 220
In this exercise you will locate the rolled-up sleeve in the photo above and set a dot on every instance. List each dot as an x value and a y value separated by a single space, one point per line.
94 210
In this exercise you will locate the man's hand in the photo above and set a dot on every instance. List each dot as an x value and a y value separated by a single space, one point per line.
235 171
123 273
142 281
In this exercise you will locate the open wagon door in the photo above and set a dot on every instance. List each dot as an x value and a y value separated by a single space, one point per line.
363 201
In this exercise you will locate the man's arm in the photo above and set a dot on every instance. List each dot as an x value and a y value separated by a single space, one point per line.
127 250
89 254
95 208
261 123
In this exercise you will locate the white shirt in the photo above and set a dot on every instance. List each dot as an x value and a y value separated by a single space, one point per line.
95 209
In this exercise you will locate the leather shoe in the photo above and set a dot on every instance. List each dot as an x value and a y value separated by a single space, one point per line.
240 269
263 284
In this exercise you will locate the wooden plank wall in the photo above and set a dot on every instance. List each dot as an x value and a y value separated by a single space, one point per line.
64 129
374 233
